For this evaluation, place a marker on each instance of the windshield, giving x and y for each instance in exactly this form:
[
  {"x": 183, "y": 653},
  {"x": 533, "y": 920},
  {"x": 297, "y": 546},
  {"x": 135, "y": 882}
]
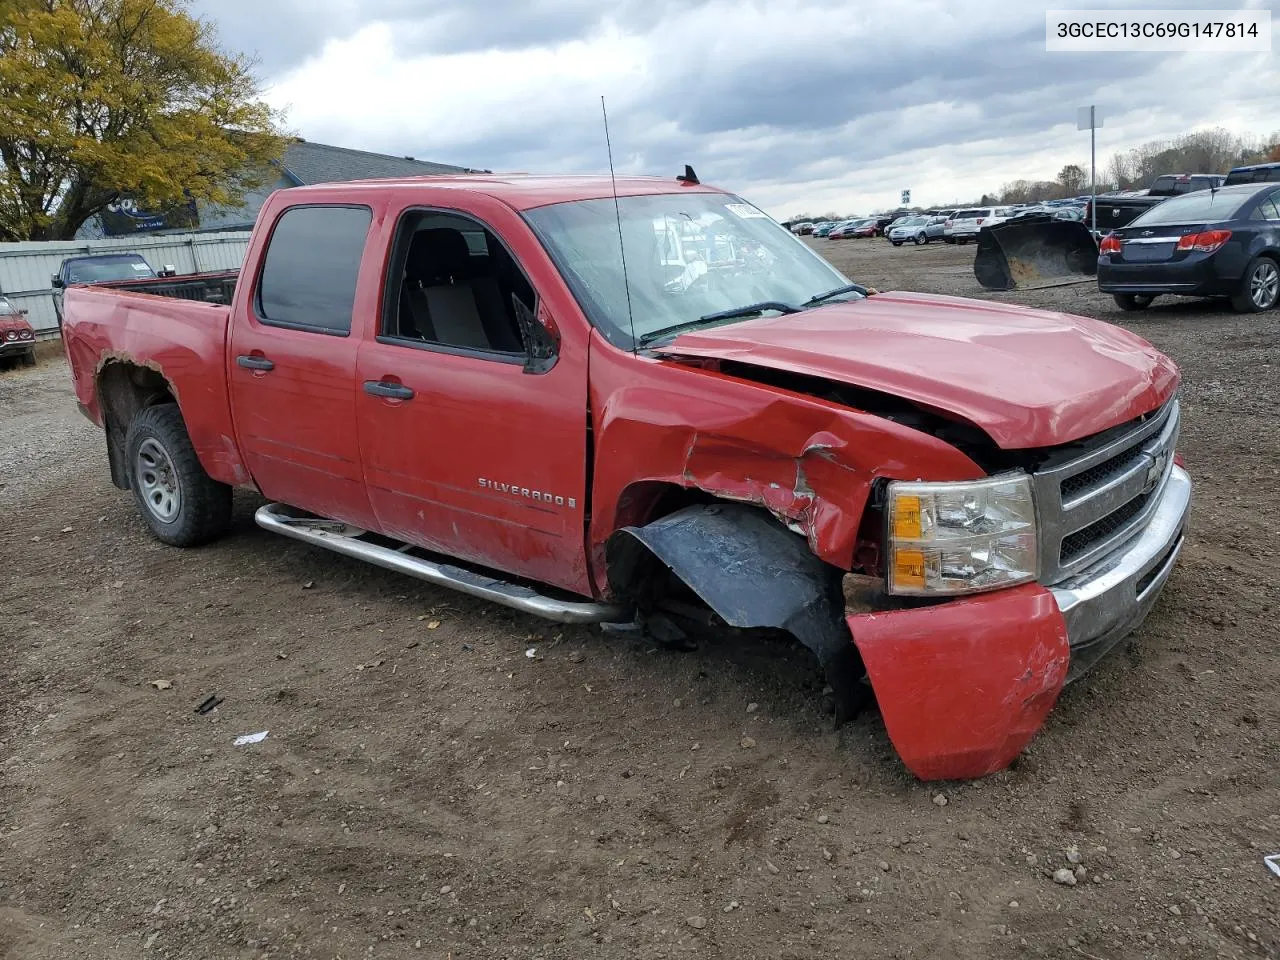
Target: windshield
[
  {"x": 7, "y": 309},
  {"x": 1198, "y": 207},
  {"x": 687, "y": 256},
  {"x": 115, "y": 268}
]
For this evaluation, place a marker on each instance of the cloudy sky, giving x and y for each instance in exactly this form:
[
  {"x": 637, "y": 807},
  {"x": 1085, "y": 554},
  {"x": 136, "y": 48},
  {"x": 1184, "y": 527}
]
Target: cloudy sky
[{"x": 800, "y": 105}]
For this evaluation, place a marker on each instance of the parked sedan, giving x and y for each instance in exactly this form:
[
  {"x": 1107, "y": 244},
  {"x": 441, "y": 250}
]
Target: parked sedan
[
  {"x": 1212, "y": 243},
  {"x": 854, "y": 228},
  {"x": 914, "y": 229},
  {"x": 17, "y": 340},
  {"x": 822, "y": 229}
]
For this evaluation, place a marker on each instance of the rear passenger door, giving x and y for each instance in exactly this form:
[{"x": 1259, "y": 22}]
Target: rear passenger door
[
  {"x": 470, "y": 449},
  {"x": 293, "y": 361}
]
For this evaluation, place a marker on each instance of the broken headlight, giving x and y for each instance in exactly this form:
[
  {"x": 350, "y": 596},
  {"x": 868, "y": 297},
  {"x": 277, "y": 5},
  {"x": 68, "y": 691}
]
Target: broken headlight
[{"x": 956, "y": 538}]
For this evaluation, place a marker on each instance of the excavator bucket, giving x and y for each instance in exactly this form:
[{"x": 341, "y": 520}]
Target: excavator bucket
[{"x": 1034, "y": 251}]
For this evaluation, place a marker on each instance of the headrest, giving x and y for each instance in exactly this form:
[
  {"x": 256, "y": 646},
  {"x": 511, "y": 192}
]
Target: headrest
[{"x": 438, "y": 255}]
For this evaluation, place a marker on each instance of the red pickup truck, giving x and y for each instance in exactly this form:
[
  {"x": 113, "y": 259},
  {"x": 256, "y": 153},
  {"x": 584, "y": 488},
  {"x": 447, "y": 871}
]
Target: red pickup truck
[{"x": 657, "y": 408}]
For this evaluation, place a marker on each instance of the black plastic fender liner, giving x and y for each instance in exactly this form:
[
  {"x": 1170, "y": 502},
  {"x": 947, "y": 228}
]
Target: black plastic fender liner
[
  {"x": 1033, "y": 250},
  {"x": 754, "y": 573}
]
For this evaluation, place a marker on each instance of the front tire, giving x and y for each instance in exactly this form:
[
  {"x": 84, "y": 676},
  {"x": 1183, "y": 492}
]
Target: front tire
[
  {"x": 1129, "y": 302},
  {"x": 181, "y": 504},
  {"x": 29, "y": 358},
  {"x": 921, "y": 238},
  {"x": 896, "y": 243},
  {"x": 1260, "y": 286}
]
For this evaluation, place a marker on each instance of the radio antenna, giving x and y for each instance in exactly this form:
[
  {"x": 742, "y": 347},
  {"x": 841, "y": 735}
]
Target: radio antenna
[{"x": 617, "y": 213}]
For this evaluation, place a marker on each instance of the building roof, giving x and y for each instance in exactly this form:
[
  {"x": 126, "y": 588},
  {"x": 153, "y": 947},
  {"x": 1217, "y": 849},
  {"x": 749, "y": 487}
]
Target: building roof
[
  {"x": 308, "y": 163},
  {"x": 523, "y": 191}
]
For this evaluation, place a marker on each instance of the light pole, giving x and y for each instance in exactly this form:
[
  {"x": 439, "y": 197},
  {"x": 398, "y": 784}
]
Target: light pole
[{"x": 1089, "y": 118}]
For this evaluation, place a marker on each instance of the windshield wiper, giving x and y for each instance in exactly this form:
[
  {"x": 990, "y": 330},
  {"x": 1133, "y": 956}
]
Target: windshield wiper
[
  {"x": 749, "y": 310},
  {"x": 847, "y": 288}
]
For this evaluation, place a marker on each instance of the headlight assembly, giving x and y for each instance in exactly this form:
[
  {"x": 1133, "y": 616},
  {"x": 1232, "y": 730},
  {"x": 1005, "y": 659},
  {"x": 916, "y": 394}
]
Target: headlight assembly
[{"x": 957, "y": 538}]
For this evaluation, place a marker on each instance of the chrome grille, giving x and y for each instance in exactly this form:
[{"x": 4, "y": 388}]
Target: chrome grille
[{"x": 1089, "y": 505}]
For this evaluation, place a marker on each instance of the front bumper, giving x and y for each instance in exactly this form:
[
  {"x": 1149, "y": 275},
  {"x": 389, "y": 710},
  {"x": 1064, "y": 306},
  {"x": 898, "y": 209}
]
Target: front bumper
[
  {"x": 9, "y": 348},
  {"x": 964, "y": 685}
]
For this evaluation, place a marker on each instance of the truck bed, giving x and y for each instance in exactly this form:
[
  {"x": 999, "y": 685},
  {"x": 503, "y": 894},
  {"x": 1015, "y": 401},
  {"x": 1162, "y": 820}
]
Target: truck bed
[
  {"x": 216, "y": 287},
  {"x": 172, "y": 328}
]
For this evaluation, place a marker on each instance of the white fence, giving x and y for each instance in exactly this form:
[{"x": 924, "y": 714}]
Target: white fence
[{"x": 26, "y": 267}]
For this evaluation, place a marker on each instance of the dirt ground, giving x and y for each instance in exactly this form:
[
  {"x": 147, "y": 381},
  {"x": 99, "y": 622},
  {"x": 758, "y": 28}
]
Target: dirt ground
[{"x": 428, "y": 789}]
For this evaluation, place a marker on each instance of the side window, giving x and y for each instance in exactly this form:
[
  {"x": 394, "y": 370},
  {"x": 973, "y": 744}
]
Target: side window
[
  {"x": 453, "y": 284},
  {"x": 309, "y": 273},
  {"x": 1268, "y": 209}
]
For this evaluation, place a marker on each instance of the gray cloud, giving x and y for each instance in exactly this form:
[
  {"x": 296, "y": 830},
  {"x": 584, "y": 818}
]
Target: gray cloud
[{"x": 933, "y": 78}]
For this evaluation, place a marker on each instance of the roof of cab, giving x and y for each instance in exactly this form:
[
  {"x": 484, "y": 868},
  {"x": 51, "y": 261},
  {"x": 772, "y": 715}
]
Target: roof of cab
[{"x": 518, "y": 191}]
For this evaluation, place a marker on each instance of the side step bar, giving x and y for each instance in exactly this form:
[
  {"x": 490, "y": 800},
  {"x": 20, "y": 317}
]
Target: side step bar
[{"x": 334, "y": 535}]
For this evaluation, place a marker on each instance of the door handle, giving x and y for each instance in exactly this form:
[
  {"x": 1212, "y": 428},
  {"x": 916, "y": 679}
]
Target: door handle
[
  {"x": 255, "y": 363},
  {"x": 391, "y": 391}
]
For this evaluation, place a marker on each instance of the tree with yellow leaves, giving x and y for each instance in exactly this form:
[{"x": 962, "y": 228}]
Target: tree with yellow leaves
[{"x": 106, "y": 99}]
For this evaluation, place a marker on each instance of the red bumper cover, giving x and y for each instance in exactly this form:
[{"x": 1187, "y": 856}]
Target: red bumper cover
[{"x": 963, "y": 686}]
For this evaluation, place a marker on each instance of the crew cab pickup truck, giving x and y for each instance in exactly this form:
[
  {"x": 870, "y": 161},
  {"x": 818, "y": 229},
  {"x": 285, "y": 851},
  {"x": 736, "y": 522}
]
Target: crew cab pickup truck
[
  {"x": 958, "y": 506},
  {"x": 1117, "y": 210}
]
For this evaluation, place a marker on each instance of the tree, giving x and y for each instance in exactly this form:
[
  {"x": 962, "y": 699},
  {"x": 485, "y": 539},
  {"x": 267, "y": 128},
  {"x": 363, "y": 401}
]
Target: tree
[
  {"x": 1072, "y": 179},
  {"x": 105, "y": 99}
]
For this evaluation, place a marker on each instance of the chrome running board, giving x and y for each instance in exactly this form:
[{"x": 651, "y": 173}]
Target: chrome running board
[{"x": 336, "y": 536}]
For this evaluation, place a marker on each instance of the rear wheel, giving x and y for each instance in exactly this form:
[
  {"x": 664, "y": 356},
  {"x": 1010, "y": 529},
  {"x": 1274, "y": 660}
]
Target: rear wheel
[
  {"x": 1260, "y": 287},
  {"x": 181, "y": 504},
  {"x": 1133, "y": 301}
]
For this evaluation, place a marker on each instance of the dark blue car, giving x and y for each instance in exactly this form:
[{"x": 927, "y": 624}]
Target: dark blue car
[{"x": 1211, "y": 243}]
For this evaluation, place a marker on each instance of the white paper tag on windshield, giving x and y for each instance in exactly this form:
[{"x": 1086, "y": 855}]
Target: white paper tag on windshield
[
  {"x": 140, "y": 267},
  {"x": 745, "y": 210}
]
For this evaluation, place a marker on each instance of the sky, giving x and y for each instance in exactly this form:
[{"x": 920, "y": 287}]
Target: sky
[{"x": 801, "y": 106}]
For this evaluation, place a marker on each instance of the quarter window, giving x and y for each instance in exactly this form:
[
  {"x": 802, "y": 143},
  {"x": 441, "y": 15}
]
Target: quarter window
[
  {"x": 1269, "y": 209},
  {"x": 309, "y": 273}
]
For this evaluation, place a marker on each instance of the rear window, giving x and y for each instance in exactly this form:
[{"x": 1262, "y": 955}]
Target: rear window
[
  {"x": 970, "y": 214},
  {"x": 1257, "y": 175},
  {"x": 309, "y": 273},
  {"x": 103, "y": 269},
  {"x": 1199, "y": 207}
]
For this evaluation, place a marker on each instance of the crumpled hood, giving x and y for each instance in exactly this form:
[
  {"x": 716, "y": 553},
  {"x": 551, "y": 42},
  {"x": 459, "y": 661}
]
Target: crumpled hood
[{"x": 1028, "y": 378}]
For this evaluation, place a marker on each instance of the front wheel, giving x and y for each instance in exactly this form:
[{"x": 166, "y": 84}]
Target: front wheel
[
  {"x": 29, "y": 358},
  {"x": 896, "y": 243},
  {"x": 1133, "y": 301},
  {"x": 921, "y": 238},
  {"x": 181, "y": 504},
  {"x": 1259, "y": 288}
]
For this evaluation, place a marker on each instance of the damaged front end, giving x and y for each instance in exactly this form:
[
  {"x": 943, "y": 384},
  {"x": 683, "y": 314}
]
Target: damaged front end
[{"x": 785, "y": 492}]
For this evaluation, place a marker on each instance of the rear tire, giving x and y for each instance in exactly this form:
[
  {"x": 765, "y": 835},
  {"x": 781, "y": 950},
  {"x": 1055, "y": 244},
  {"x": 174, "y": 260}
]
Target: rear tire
[
  {"x": 181, "y": 504},
  {"x": 1133, "y": 301},
  {"x": 1259, "y": 287}
]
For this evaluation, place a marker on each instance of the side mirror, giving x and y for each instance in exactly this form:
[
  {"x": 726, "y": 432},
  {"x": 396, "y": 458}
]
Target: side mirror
[
  {"x": 540, "y": 336},
  {"x": 168, "y": 270},
  {"x": 56, "y": 282},
  {"x": 22, "y": 312}
]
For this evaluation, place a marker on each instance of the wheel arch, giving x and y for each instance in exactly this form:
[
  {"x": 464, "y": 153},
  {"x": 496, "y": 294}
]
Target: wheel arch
[{"x": 125, "y": 387}]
